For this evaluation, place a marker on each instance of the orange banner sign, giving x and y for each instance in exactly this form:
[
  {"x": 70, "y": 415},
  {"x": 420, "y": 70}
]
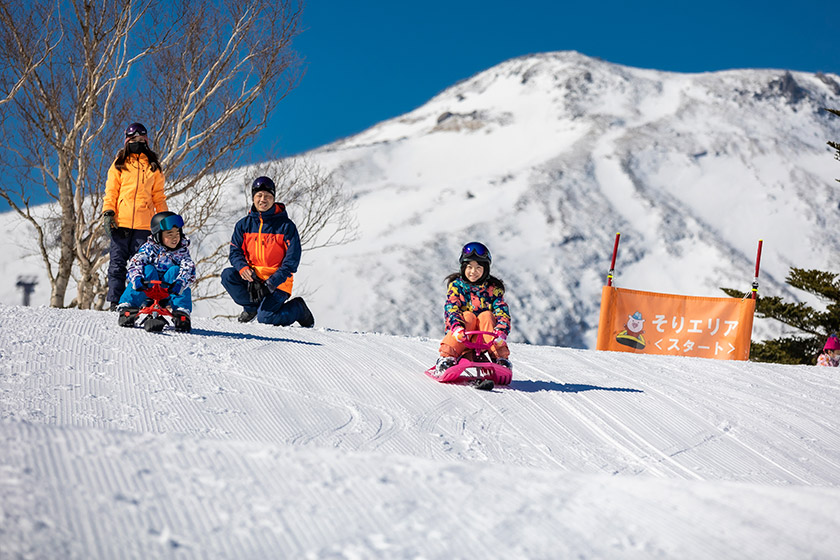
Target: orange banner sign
[{"x": 674, "y": 325}]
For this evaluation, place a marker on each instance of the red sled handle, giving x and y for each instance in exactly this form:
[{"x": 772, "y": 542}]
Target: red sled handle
[{"x": 156, "y": 291}]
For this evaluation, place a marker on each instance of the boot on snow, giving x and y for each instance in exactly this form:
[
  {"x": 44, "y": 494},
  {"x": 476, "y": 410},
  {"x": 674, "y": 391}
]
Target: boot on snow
[
  {"x": 126, "y": 315},
  {"x": 444, "y": 363},
  {"x": 181, "y": 318}
]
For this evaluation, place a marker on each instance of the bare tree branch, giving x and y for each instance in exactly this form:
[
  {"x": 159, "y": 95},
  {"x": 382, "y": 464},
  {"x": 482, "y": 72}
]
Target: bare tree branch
[
  {"x": 31, "y": 51},
  {"x": 206, "y": 77},
  {"x": 323, "y": 212}
]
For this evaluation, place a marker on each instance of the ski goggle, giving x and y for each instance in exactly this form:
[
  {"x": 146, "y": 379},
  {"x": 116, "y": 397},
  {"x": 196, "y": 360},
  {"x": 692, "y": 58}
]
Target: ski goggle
[
  {"x": 136, "y": 133},
  {"x": 475, "y": 249},
  {"x": 135, "y": 130},
  {"x": 263, "y": 184},
  {"x": 169, "y": 222}
]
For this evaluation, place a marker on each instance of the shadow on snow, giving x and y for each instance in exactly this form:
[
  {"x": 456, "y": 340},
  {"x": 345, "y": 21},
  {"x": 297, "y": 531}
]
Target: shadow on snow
[
  {"x": 531, "y": 386},
  {"x": 248, "y": 336}
]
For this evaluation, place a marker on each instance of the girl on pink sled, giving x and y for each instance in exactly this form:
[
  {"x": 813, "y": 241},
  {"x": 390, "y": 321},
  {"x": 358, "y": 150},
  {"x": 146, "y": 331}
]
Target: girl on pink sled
[{"x": 474, "y": 302}]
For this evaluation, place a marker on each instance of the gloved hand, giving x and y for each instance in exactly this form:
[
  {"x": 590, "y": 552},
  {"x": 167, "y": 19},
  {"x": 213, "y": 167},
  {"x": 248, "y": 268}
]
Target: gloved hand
[
  {"x": 176, "y": 288},
  {"x": 139, "y": 284},
  {"x": 500, "y": 339},
  {"x": 257, "y": 291},
  {"x": 108, "y": 222},
  {"x": 459, "y": 334},
  {"x": 265, "y": 290},
  {"x": 254, "y": 292}
]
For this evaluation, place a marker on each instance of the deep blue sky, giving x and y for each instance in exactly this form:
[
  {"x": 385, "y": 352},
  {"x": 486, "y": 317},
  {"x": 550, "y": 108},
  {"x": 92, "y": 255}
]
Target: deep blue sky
[
  {"x": 371, "y": 60},
  {"x": 368, "y": 61}
]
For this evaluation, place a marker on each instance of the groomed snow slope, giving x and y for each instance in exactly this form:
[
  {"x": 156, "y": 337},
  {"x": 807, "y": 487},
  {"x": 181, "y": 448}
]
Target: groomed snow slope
[{"x": 249, "y": 441}]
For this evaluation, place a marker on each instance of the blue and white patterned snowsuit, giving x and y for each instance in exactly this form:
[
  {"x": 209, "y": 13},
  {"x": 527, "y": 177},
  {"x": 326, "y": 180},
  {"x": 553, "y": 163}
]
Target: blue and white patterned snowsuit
[{"x": 156, "y": 262}]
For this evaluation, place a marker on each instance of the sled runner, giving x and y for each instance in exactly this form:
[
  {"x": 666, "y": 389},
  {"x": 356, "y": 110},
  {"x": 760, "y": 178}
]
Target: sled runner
[{"x": 475, "y": 367}]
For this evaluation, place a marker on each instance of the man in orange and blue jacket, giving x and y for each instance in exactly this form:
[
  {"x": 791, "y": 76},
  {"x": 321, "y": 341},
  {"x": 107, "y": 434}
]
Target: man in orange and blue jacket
[{"x": 265, "y": 253}]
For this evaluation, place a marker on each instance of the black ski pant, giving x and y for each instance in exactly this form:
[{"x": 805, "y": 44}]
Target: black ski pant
[{"x": 124, "y": 243}]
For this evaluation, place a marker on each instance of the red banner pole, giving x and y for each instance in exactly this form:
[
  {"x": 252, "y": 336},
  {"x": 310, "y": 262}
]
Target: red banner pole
[
  {"x": 757, "y": 264},
  {"x": 611, "y": 273}
]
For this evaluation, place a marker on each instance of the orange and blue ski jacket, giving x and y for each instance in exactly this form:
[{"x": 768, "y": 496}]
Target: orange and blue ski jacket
[
  {"x": 269, "y": 243},
  {"x": 136, "y": 194}
]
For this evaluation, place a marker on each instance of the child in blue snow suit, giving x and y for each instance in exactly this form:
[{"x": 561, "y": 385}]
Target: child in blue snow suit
[{"x": 166, "y": 257}]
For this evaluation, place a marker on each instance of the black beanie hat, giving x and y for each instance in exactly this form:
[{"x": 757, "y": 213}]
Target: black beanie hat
[{"x": 263, "y": 184}]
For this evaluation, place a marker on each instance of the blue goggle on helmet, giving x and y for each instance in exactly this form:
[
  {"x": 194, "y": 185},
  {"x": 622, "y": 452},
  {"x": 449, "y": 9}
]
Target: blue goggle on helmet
[
  {"x": 164, "y": 221},
  {"x": 475, "y": 251},
  {"x": 169, "y": 222}
]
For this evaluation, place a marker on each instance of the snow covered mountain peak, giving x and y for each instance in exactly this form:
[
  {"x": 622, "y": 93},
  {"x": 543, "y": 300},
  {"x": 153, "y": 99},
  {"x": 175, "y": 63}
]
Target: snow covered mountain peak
[
  {"x": 545, "y": 157},
  {"x": 570, "y": 86}
]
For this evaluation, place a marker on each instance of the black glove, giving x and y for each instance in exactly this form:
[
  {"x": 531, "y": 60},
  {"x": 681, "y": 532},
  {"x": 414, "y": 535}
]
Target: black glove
[
  {"x": 266, "y": 290},
  {"x": 253, "y": 292},
  {"x": 257, "y": 291},
  {"x": 108, "y": 222}
]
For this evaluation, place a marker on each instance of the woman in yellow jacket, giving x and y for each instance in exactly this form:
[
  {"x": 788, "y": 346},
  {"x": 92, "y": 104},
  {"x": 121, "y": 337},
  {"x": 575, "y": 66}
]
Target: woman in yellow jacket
[{"x": 133, "y": 194}]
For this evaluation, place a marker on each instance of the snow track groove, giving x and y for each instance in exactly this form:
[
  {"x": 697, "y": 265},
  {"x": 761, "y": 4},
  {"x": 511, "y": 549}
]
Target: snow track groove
[
  {"x": 752, "y": 462},
  {"x": 250, "y": 441}
]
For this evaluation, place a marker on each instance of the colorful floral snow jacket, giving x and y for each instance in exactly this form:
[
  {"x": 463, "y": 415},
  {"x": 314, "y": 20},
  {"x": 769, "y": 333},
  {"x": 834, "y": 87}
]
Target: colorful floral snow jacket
[
  {"x": 163, "y": 258},
  {"x": 463, "y": 296},
  {"x": 826, "y": 360},
  {"x": 269, "y": 243},
  {"x": 136, "y": 194}
]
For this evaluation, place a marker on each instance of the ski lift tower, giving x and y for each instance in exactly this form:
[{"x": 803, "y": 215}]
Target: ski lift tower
[{"x": 27, "y": 284}]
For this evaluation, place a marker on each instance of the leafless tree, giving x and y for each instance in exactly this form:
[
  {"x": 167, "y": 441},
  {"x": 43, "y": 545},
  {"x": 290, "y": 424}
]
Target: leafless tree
[
  {"x": 203, "y": 76},
  {"x": 321, "y": 208}
]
